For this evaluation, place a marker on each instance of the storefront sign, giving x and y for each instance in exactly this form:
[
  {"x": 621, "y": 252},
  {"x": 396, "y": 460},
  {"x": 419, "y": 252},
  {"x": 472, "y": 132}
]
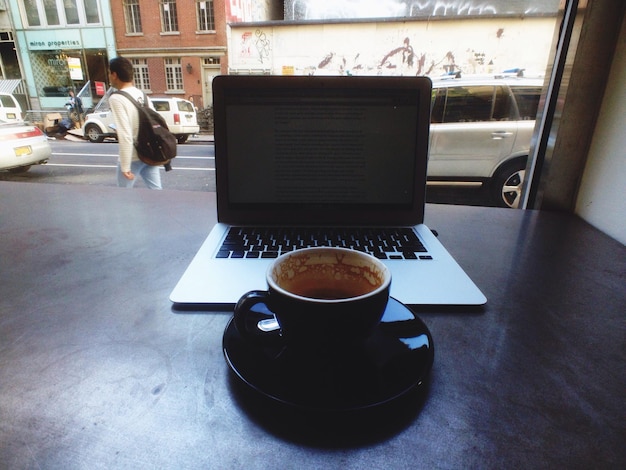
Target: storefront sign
[
  {"x": 76, "y": 71},
  {"x": 100, "y": 88}
]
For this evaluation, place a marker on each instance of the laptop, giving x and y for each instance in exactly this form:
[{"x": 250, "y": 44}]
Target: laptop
[{"x": 310, "y": 160}]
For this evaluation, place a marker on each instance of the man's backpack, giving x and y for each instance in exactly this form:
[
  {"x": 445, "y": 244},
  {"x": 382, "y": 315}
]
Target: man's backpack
[{"x": 155, "y": 144}]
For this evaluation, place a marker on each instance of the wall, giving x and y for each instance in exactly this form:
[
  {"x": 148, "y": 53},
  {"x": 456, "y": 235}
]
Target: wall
[
  {"x": 393, "y": 47},
  {"x": 601, "y": 198}
]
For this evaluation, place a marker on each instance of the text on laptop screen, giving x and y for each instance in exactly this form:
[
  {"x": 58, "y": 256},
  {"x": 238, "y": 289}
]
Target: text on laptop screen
[{"x": 329, "y": 147}]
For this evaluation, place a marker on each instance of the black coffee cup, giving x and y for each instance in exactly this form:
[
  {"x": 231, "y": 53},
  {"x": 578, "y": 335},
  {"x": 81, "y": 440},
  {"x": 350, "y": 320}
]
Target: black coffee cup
[{"x": 318, "y": 295}]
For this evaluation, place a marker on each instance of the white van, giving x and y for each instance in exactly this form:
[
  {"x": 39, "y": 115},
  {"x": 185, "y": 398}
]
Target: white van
[
  {"x": 180, "y": 116},
  {"x": 10, "y": 109}
]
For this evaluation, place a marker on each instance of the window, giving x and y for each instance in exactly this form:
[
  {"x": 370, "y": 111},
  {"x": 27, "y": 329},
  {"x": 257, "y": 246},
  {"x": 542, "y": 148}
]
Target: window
[
  {"x": 32, "y": 15},
  {"x": 43, "y": 13},
  {"x": 206, "y": 19},
  {"x": 169, "y": 18},
  {"x": 71, "y": 11},
  {"x": 527, "y": 101},
  {"x": 132, "y": 16},
  {"x": 140, "y": 74},
  {"x": 91, "y": 12},
  {"x": 52, "y": 14},
  {"x": 173, "y": 75}
]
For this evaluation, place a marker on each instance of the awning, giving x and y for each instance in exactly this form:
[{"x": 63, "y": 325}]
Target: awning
[{"x": 9, "y": 86}]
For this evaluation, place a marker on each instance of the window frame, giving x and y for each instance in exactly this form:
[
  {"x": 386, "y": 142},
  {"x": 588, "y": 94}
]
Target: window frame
[
  {"x": 205, "y": 17},
  {"x": 44, "y": 10},
  {"x": 169, "y": 17},
  {"x": 132, "y": 17},
  {"x": 173, "y": 75}
]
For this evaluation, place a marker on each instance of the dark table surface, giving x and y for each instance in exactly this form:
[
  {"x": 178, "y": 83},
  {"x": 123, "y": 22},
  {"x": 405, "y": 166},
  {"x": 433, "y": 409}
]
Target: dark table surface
[{"x": 97, "y": 370}]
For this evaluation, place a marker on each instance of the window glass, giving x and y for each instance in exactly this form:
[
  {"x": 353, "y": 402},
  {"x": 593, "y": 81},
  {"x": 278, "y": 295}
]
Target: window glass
[
  {"x": 7, "y": 101},
  {"x": 173, "y": 75},
  {"x": 91, "y": 11},
  {"x": 52, "y": 15},
  {"x": 185, "y": 106},
  {"x": 469, "y": 104},
  {"x": 527, "y": 101},
  {"x": 132, "y": 16},
  {"x": 206, "y": 20},
  {"x": 141, "y": 74},
  {"x": 169, "y": 18},
  {"x": 503, "y": 109},
  {"x": 32, "y": 15},
  {"x": 71, "y": 12}
]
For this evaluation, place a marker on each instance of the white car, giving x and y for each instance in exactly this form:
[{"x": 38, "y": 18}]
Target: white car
[
  {"x": 480, "y": 133},
  {"x": 21, "y": 146},
  {"x": 10, "y": 109},
  {"x": 180, "y": 116}
]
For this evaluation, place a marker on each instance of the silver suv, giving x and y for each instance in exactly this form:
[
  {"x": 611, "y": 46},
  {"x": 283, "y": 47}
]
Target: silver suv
[{"x": 480, "y": 133}]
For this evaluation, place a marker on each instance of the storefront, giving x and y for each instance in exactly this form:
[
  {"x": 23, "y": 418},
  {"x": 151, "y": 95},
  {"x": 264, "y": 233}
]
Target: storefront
[{"x": 63, "y": 62}]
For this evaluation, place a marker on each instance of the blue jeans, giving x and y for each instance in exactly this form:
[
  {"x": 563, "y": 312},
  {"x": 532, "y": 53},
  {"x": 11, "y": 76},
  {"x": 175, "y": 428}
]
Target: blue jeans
[{"x": 151, "y": 175}]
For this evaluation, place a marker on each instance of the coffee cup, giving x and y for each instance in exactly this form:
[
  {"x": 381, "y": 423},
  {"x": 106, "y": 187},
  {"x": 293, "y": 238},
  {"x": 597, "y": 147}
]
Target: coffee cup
[{"x": 321, "y": 295}]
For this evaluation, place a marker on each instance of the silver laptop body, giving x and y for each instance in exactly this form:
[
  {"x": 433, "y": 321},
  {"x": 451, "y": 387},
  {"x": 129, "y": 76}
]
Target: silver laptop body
[{"x": 321, "y": 154}]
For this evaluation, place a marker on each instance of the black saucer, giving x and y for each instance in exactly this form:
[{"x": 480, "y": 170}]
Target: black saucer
[{"x": 394, "y": 360}]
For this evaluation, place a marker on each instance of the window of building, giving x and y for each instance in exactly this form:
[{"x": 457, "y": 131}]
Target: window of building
[
  {"x": 132, "y": 16},
  {"x": 45, "y": 13},
  {"x": 71, "y": 11},
  {"x": 173, "y": 75},
  {"x": 206, "y": 19},
  {"x": 169, "y": 18},
  {"x": 91, "y": 12},
  {"x": 141, "y": 75},
  {"x": 52, "y": 13},
  {"x": 32, "y": 15}
]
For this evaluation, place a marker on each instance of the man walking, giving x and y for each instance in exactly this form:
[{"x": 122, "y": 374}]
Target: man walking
[{"x": 126, "y": 119}]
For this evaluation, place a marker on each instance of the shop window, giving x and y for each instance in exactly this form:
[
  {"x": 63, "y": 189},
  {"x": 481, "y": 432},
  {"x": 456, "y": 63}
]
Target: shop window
[
  {"x": 206, "y": 19},
  {"x": 169, "y": 18},
  {"x": 132, "y": 16}
]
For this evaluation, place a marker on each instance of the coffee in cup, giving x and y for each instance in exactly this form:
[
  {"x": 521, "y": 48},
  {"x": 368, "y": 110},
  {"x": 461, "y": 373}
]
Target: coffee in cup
[{"x": 318, "y": 296}]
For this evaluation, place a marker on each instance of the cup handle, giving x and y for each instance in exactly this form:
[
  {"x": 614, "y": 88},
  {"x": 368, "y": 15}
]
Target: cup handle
[{"x": 254, "y": 325}]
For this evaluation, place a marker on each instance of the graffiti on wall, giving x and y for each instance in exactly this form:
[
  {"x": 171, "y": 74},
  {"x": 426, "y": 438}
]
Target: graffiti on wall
[
  {"x": 357, "y": 9},
  {"x": 402, "y": 60},
  {"x": 255, "y": 46}
]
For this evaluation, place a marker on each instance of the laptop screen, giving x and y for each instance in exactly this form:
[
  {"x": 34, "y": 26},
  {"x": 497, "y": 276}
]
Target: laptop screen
[{"x": 321, "y": 150}]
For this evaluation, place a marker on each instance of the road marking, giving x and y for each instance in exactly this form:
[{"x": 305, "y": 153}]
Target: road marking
[
  {"x": 115, "y": 166},
  {"x": 178, "y": 157}
]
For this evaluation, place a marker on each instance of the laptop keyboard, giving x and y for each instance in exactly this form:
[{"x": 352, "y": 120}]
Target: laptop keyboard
[{"x": 271, "y": 242}]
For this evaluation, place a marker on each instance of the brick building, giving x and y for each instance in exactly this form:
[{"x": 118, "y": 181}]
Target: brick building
[{"x": 177, "y": 46}]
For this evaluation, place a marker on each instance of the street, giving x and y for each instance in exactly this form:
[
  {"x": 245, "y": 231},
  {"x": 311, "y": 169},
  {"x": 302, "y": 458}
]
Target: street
[{"x": 75, "y": 161}]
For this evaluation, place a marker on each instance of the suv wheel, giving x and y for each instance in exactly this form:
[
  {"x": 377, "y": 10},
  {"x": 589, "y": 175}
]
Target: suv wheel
[
  {"x": 507, "y": 184},
  {"x": 92, "y": 133},
  {"x": 182, "y": 138}
]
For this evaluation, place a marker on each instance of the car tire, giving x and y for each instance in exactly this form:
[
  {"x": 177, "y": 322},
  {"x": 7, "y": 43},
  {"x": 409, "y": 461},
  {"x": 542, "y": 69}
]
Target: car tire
[
  {"x": 92, "y": 133},
  {"x": 182, "y": 138},
  {"x": 506, "y": 185}
]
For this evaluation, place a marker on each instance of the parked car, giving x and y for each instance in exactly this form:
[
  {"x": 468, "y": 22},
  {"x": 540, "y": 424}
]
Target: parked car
[
  {"x": 480, "y": 133},
  {"x": 21, "y": 146},
  {"x": 180, "y": 116},
  {"x": 10, "y": 109}
]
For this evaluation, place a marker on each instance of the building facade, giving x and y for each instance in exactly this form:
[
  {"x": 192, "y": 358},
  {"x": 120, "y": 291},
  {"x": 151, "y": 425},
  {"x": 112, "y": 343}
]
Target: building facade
[
  {"x": 176, "y": 46},
  {"x": 62, "y": 45}
]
